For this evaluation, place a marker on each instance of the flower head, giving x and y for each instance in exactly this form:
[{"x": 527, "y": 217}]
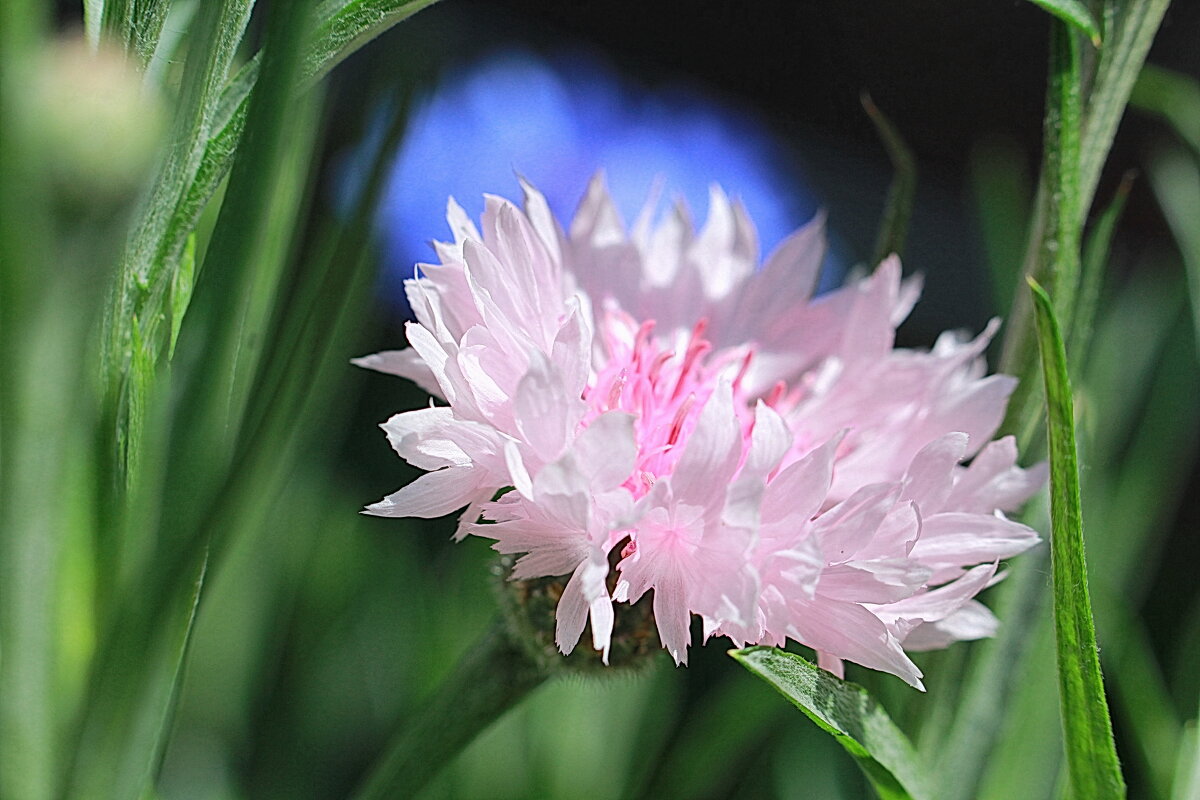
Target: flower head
[{"x": 674, "y": 419}]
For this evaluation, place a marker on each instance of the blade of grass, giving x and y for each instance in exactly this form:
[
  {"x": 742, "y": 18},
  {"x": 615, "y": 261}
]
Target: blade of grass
[
  {"x": 136, "y": 24},
  {"x": 1074, "y": 13},
  {"x": 1095, "y": 258},
  {"x": 1128, "y": 30},
  {"x": 121, "y": 742},
  {"x": 1173, "y": 96},
  {"x": 157, "y": 247},
  {"x": 1091, "y": 753},
  {"x": 1059, "y": 228},
  {"x": 893, "y": 228},
  {"x": 344, "y": 26},
  {"x": 1186, "y": 783},
  {"x": 93, "y": 20},
  {"x": 1175, "y": 177},
  {"x": 139, "y": 660},
  {"x": 1003, "y": 195},
  {"x": 143, "y": 283},
  {"x": 848, "y": 713}
]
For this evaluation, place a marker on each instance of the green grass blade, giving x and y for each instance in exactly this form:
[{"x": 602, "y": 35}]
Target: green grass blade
[
  {"x": 1003, "y": 193},
  {"x": 1128, "y": 30},
  {"x": 893, "y": 228},
  {"x": 1075, "y": 14},
  {"x": 1091, "y": 753},
  {"x": 1186, "y": 783},
  {"x": 93, "y": 18},
  {"x": 1058, "y": 225},
  {"x": 181, "y": 290},
  {"x": 346, "y": 25},
  {"x": 1175, "y": 177},
  {"x": 1095, "y": 259},
  {"x": 848, "y": 713},
  {"x": 157, "y": 247},
  {"x": 133, "y": 691},
  {"x": 1061, "y": 244},
  {"x": 136, "y": 24},
  {"x": 1173, "y": 96},
  {"x": 145, "y": 278}
]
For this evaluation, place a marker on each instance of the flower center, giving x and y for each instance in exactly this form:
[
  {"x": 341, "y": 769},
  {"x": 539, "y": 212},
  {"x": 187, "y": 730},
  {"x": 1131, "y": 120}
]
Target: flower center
[{"x": 664, "y": 384}]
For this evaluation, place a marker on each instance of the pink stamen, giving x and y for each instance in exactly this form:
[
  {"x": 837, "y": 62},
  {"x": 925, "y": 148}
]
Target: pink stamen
[
  {"x": 618, "y": 386},
  {"x": 695, "y": 350},
  {"x": 680, "y": 415},
  {"x": 629, "y": 549},
  {"x": 775, "y": 395},
  {"x": 743, "y": 369},
  {"x": 656, "y": 367}
]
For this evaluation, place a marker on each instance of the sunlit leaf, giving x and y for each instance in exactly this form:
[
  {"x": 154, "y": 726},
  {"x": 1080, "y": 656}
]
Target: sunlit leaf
[{"x": 848, "y": 713}]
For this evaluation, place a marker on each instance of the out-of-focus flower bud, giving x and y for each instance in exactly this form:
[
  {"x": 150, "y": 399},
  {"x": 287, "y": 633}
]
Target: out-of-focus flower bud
[{"x": 90, "y": 122}]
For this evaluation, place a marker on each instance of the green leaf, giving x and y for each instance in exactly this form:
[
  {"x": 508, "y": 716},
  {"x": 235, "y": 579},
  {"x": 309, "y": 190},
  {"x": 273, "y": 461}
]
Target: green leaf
[
  {"x": 893, "y": 228},
  {"x": 1173, "y": 96},
  {"x": 135, "y": 23},
  {"x": 134, "y": 684},
  {"x": 204, "y": 155},
  {"x": 93, "y": 15},
  {"x": 1129, "y": 32},
  {"x": 1075, "y": 14},
  {"x": 181, "y": 290},
  {"x": 145, "y": 277},
  {"x": 1091, "y": 753},
  {"x": 1175, "y": 177},
  {"x": 1129, "y": 29},
  {"x": 849, "y": 714},
  {"x": 1095, "y": 259},
  {"x": 1186, "y": 783},
  {"x": 1003, "y": 193},
  {"x": 344, "y": 26},
  {"x": 1057, "y": 258}
]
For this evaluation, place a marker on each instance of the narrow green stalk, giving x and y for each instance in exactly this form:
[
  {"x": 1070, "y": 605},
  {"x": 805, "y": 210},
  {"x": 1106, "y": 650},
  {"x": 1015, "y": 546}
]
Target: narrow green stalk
[
  {"x": 1092, "y": 762},
  {"x": 1128, "y": 31},
  {"x": 893, "y": 228},
  {"x": 1094, "y": 261},
  {"x": 144, "y": 280},
  {"x": 1058, "y": 228},
  {"x": 494, "y": 676}
]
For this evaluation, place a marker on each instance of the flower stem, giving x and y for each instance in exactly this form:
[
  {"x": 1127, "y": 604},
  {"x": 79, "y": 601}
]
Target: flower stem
[{"x": 490, "y": 679}]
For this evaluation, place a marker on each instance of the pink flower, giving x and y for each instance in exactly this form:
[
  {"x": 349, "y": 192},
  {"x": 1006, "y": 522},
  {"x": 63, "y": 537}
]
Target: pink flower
[{"x": 763, "y": 459}]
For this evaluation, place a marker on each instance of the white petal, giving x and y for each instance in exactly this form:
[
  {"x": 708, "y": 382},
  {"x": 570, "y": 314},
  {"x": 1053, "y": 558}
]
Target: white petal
[{"x": 431, "y": 495}]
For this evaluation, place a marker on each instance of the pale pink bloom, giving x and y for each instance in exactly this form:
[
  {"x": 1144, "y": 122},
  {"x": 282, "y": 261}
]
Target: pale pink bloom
[{"x": 755, "y": 456}]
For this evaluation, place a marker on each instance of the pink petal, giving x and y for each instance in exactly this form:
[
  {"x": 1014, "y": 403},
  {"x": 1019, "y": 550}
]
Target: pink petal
[{"x": 431, "y": 495}]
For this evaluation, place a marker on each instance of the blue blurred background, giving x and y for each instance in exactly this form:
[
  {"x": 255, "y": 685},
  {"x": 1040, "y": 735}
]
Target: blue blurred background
[{"x": 556, "y": 121}]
